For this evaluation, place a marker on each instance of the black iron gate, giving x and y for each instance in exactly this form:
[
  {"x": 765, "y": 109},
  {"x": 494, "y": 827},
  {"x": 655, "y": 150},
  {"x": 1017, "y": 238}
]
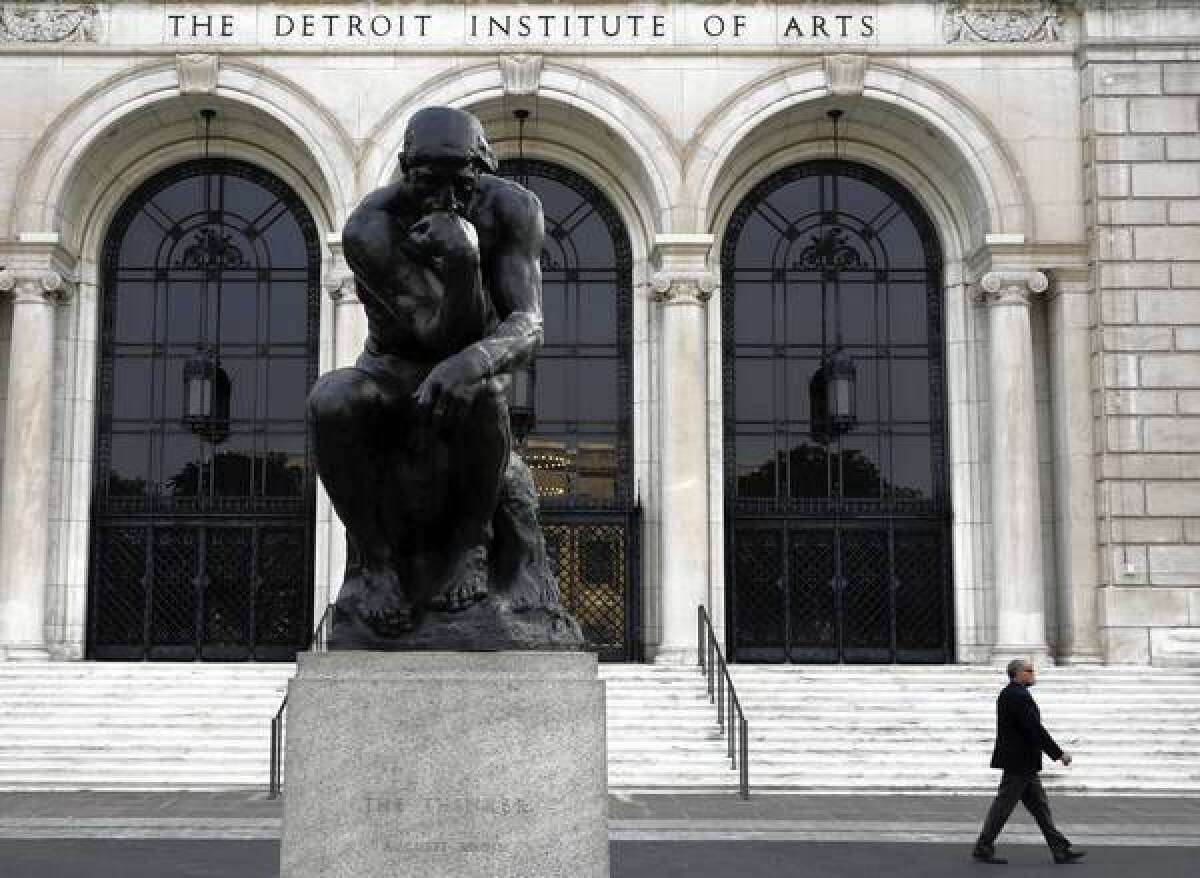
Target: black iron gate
[
  {"x": 203, "y": 497},
  {"x": 597, "y": 558},
  {"x": 837, "y": 500},
  {"x": 825, "y": 592}
]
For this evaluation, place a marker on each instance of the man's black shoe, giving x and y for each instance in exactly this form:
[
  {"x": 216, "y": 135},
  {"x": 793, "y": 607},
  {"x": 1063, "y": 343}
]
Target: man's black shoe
[
  {"x": 1068, "y": 856},
  {"x": 988, "y": 857}
]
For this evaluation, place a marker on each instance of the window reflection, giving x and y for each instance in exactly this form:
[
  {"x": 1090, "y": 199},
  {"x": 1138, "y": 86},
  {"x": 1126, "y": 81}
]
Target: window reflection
[
  {"x": 578, "y": 448},
  {"x": 173, "y": 300},
  {"x": 800, "y": 251},
  {"x": 568, "y": 467}
]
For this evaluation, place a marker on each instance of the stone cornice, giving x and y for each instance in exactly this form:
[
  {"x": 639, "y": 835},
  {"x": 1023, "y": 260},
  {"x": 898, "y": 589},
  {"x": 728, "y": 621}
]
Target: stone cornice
[
  {"x": 1012, "y": 287},
  {"x": 1014, "y": 253}
]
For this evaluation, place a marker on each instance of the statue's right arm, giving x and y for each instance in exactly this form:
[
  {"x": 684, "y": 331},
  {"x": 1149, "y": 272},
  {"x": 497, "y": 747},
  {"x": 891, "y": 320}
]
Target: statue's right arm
[{"x": 368, "y": 240}]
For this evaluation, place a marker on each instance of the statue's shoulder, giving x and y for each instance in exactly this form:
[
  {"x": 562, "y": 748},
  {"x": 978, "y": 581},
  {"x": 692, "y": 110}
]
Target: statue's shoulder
[{"x": 509, "y": 203}]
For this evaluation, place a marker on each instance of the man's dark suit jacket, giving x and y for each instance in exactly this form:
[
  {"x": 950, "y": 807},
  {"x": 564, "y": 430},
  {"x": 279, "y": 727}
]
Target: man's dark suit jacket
[{"x": 1020, "y": 737}]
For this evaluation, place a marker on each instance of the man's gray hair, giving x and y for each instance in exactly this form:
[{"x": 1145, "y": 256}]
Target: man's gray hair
[{"x": 1015, "y": 667}]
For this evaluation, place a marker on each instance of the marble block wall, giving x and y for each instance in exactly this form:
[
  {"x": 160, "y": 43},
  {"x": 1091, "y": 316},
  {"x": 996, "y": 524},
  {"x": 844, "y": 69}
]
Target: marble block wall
[{"x": 1140, "y": 81}]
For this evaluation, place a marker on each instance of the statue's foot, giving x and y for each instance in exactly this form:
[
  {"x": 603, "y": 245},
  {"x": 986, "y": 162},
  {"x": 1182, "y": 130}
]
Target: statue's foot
[
  {"x": 382, "y": 604},
  {"x": 467, "y": 584},
  {"x": 384, "y": 607}
]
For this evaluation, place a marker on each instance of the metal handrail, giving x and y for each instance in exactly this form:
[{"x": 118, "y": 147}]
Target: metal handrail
[
  {"x": 721, "y": 692},
  {"x": 318, "y": 642}
]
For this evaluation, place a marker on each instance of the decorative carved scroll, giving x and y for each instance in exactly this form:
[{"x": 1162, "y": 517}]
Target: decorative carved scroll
[
  {"x": 39, "y": 23},
  {"x": 1003, "y": 24}
]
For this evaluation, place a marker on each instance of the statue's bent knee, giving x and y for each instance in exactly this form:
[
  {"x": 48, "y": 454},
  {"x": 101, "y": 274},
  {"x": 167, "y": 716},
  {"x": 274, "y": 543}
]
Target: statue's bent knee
[{"x": 337, "y": 397}]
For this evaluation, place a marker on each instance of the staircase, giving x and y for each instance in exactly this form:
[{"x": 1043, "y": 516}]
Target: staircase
[
  {"x": 83, "y": 725},
  {"x": 931, "y": 729}
]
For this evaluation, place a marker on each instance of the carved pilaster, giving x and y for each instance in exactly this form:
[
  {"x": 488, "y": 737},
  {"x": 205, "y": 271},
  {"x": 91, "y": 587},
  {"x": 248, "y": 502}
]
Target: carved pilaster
[{"x": 1011, "y": 287}]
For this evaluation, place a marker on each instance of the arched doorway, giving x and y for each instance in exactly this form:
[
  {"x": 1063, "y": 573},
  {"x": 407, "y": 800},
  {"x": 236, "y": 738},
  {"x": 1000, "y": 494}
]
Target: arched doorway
[
  {"x": 203, "y": 496},
  {"x": 580, "y": 448},
  {"x": 837, "y": 503}
]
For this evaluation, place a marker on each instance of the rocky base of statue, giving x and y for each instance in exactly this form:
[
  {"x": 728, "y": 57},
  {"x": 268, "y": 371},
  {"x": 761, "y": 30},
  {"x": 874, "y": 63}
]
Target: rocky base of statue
[
  {"x": 506, "y": 597},
  {"x": 445, "y": 765},
  {"x": 489, "y": 625}
]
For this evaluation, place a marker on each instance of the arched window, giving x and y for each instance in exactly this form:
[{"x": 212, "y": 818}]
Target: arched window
[
  {"x": 835, "y": 421},
  {"x": 204, "y": 486},
  {"x": 580, "y": 448}
]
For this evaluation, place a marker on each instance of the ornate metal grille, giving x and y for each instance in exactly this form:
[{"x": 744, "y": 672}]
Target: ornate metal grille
[
  {"x": 580, "y": 449},
  {"x": 202, "y": 532},
  {"x": 821, "y": 259}
]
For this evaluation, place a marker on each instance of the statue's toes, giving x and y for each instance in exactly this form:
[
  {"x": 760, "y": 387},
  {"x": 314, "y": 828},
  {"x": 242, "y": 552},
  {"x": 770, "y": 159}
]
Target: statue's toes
[
  {"x": 389, "y": 621},
  {"x": 460, "y": 597}
]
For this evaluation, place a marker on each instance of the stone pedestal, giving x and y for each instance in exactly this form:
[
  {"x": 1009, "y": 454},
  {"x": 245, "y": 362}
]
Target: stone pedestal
[{"x": 445, "y": 765}]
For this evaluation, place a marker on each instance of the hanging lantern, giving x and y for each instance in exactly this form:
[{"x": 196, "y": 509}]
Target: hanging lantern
[
  {"x": 206, "y": 393},
  {"x": 521, "y": 389},
  {"x": 840, "y": 395},
  {"x": 831, "y": 396}
]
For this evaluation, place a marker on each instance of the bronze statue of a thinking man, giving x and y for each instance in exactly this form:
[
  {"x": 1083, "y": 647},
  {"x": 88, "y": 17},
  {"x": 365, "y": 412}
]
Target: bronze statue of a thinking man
[{"x": 413, "y": 442}]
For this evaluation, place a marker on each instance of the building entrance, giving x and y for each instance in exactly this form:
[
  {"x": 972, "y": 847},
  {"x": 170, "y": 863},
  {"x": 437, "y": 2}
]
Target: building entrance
[
  {"x": 837, "y": 519},
  {"x": 203, "y": 497},
  {"x": 580, "y": 445}
]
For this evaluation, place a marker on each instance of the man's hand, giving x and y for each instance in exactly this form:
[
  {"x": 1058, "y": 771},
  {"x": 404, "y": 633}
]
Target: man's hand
[
  {"x": 445, "y": 235},
  {"x": 1065, "y": 759},
  {"x": 450, "y": 387}
]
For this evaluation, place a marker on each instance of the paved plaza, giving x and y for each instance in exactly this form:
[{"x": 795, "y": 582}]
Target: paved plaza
[{"x": 235, "y": 835}]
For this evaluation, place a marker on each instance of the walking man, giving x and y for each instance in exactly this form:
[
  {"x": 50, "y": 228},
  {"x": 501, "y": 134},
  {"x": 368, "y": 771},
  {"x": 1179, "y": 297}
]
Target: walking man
[{"x": 1020, "y": 741}]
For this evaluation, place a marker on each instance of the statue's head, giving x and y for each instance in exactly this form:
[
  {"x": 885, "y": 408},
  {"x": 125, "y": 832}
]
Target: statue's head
[{"x": 445, "y": 151}]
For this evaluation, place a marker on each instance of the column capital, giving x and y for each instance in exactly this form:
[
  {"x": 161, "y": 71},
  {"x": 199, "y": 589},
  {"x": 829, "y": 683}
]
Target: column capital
[
  {"x": 38, "y": 287},
  {"x": 684, "y": 289},
  {"x": 683, "y": 276},
  {"x": 1011, "y": 287},
  {"x": 343, "y": 290}
]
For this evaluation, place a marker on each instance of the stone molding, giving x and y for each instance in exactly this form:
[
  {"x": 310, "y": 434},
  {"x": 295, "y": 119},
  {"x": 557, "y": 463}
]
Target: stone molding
[
  {"x": 197, "y": 74},
  {"x": 521, "y": 75},
  {"x": 47, "y": 287},
  {"x": 1012, "y": 287},
  {"x": 969, "y": 23},
  {"x": 38, "y": 23},
  {"x": 846, "y": 74}
]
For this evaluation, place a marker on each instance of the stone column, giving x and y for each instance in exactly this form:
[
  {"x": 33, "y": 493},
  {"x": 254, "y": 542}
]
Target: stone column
[
  {"x": 682, "y": 288},
  {"x": 1016, "y": 495},
  {"x": 25, "y": 477},
  {"x": 1074, "y": 474},
  {"x": 348, "y": 335}
]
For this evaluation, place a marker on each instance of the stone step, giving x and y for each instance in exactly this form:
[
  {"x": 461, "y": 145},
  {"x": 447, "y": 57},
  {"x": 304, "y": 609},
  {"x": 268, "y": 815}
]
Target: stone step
[{"x": 156, "y": 726}]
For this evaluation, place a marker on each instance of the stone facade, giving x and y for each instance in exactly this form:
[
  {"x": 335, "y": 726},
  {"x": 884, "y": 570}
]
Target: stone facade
[
  {"x": 1053, "y": 144},
  {"x": 1139, "y": 79}
]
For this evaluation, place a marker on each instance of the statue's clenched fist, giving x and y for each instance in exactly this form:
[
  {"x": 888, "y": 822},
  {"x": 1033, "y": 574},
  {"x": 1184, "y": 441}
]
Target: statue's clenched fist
[{"x": 445, "y": 235}]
